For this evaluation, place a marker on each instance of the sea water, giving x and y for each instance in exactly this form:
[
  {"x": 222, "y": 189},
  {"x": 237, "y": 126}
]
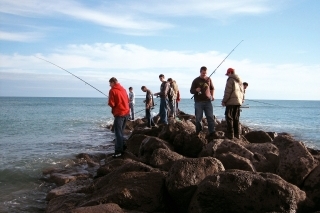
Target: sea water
[{"x": 39, "y": 133}]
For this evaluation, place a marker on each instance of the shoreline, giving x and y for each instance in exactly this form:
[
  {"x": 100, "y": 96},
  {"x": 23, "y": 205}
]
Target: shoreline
[{"x": 182, "y": 166}]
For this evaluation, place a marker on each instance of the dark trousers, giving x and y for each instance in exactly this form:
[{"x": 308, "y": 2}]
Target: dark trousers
[
  {"x": 149, "y": 118},
  {"x": 119, "y": 125},
  {"x": 232, "y": 117}
]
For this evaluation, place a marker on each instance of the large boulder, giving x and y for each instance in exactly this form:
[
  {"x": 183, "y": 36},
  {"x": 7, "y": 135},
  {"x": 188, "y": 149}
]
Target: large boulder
[
  {"x": 164, "y": 158},
  {"x": 141, "y": 191},
  {"x": 134, "y": 142},
  {"x": 149, "y": 145},
  {"x": 266, "y": 156},
  {"x": 186, "y": 174},
  {"x": 258, "y": 137},
  {"x": 295, "y": 161},
  {"x": 146, "y": 131},
  {"x": 225, "y": 146},
  {"x": 311, "y": 186},
  {"x": 234, "y": 161},
  {"x": 243, "y": 191},
  {"x": 189, "y": 144}
]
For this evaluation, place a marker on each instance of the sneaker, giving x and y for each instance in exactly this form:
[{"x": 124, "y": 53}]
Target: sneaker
[
  {"x": 117, "y": 155},
  {"x": 147, "y": 127}
]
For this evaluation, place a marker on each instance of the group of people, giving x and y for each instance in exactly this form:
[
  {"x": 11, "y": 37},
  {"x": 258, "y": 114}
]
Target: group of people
[{"x": 202, "y": 88}]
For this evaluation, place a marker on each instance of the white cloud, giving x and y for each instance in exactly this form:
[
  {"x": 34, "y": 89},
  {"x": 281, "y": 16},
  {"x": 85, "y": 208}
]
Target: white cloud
[
  {"x": 20, "y": 37},
  {"x": 136, "y": 65}
]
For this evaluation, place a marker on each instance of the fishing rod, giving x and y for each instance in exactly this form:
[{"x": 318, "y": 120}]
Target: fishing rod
[
  {"x": 223, "y": 60},
  {"x": 72, "y": 74}
]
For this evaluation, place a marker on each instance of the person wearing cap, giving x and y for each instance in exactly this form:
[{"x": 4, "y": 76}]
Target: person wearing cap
[
  {"x": 119, "y": 103},
  {"x": 232, "y": 100},
  {"x": 203, "y": 91}
]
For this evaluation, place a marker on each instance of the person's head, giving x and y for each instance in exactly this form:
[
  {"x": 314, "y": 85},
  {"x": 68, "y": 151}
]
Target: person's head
[
  {"x": 144, "y": 88},
  {"x": 130, "y": 89},
  {"x": 230, "y": 71},
  {"x": 113, "y": 81},
  {"x": 245, "y": 85},
  {"x": 203, "y": 71},
  {"x": 161, "y": 77},
  {"x": 170, "y": 80}
]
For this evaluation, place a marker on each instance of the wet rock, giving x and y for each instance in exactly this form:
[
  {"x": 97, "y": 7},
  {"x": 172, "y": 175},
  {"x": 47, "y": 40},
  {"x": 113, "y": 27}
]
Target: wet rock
[
  {"x": 164, "y": 158},
  {"x": 91, "y": 160},
  {"x": 234, "y": 161},
  {"x": 311, "y": 186},
  {"x": 112, "y": 165},
  {"x": 78, "y": 186},
  {"x": 258, "y": 137},
  {"x": 64, "y": 203},
  {"x": 63, "y": 176},
  {"x": 186, "y": 174},
  {"x": 149, "y": 145},
  {"x": 295, "y": 161},
  {"x": 243, "y": 191},
  {"x": 103, "y": 208}
]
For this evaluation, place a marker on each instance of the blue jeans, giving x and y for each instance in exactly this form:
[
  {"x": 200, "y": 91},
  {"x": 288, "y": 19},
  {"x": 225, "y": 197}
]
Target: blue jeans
[
  {"x": 206, "y": 107},
  {"x": 119, "y": 125},
  {"x": 172, "y": 105},
  {"x": 150, "y": 122},
  {"x": 163, "y": 111},
  {"x": 131, "y": 105}
]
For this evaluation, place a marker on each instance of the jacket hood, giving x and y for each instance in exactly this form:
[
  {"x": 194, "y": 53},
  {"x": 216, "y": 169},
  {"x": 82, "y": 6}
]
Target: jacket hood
[
  {"x": 235, "y": 77},
  {"x": 117, "y": 86}
]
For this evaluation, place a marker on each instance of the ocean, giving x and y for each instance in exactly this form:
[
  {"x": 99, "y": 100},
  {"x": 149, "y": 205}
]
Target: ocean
[{"x": 40, "y": 133}]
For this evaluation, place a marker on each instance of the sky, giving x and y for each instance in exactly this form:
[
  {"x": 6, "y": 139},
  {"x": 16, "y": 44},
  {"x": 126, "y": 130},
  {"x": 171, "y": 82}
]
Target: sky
[{"x": 135, "y": 41}]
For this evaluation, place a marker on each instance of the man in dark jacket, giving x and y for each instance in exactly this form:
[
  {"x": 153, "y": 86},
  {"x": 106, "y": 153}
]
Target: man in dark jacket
[
  {"x": 119, "y": 103},
  {"x": 203, "y": 91}
]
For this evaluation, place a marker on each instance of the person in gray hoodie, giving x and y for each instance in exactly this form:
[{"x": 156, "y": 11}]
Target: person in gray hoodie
[{"x": 232, "y": 100}]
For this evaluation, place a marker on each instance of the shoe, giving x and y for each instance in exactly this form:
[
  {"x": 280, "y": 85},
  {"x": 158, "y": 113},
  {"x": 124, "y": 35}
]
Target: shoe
[
  {"x": 117, "y": 155},
  {"x": 147, "y": 127}
]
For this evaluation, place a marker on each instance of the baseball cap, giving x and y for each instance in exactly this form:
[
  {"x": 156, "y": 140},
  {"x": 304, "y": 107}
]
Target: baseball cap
[{"x": 230, "y": 70}]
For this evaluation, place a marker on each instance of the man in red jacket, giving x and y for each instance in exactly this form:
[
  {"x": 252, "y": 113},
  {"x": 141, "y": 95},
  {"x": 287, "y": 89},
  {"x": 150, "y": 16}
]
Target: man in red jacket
[{"x": 119, "y": 103}]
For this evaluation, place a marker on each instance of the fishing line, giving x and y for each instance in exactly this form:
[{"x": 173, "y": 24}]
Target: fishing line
[
  {"x": 223, "y": 60},
  {"x": 72, "y": 74},
  {"x": 264, "y": 103}
]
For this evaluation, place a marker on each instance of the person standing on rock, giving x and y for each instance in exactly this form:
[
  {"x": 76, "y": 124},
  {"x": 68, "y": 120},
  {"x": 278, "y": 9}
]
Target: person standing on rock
[
  {"x": 232, "y": 100},
  {"x": 119, "y": 103},
  {"x": 164, "y": 88},
  {"x": 203, "y": 91},
  {"x": 149, "y": 106},
  {"x": 173, "y": 101},
  {"x": 131, "y": 103}
]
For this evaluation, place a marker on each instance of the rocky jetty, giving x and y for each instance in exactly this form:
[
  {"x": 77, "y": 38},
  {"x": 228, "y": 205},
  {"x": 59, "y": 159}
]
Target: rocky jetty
[{"x": 171, "y": 169}]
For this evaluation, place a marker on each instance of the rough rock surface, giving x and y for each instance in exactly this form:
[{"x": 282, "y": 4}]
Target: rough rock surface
[
  {"x": 258, "y": 137},
  {"x": 242, "y": 191},
  {"x": 185, "y": 174},
  {"x": 295, "y": 162}
]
